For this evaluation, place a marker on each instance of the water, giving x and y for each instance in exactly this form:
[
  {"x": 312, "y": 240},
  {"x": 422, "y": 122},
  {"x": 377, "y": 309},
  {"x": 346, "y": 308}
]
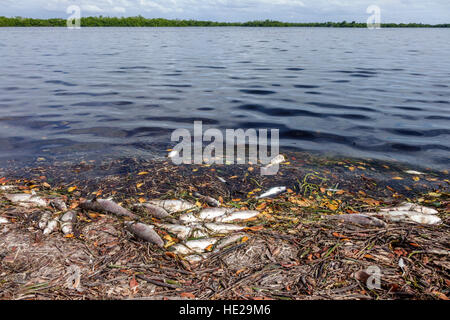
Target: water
[{"x": 97, "y": 92}]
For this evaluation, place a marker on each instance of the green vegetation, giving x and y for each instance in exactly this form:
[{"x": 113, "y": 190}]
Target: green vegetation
[{"x": 140, "y": 21}]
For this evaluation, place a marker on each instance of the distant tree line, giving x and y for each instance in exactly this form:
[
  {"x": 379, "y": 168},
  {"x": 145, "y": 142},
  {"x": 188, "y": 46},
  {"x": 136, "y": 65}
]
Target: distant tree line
[{"x": 140, "y": 21}]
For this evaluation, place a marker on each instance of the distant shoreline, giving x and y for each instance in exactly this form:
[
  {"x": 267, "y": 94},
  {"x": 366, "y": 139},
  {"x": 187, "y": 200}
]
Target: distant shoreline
[{"x": 140, "y": 21}]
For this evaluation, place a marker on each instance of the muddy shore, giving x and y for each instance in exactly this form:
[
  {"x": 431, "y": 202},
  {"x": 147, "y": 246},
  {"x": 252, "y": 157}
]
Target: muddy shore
[{"x": 292, "y": 249}]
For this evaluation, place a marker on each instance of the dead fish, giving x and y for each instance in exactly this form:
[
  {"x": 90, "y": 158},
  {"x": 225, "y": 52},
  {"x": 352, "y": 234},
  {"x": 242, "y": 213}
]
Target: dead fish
[
  {"x": 107, "y": 206},
  {"x": 200, "y": 245},
  {"x": 272, "y": 192},
  {"x": 181, "y": 249},
  {"x": 199, "y": 233},
  {"x": 398, "y": 215},
  {"x": 153, "y": 210},
  {"x": 229, "y": 240},
  {"x": 144, "y": 232},
  {"x": 25, "y": 198},
  {"x": 67, "y": 220},
  {"x": 408, "y": 206},
  {"x": 425, "y": 218},
  {"x": 414, "y": 172},
  {"x": 172, "y": 153},
  {"x": 5, "y": 188},
  {"x": 181, "y": 231},
  {"x": 238, "y": 215},
  {"x": 222, "y": 179},
  {"x": 212, "y": 213},
  {"x": 172, "y": 206},
  {"x": 276, "y": 160},
  {"x": 58, "y": 204},
  {"x": 209, "y": 200},
  {"x": 361, "y": 219},
  {"x": 188, "y": 218},
  {"x": 195, "y": 258},
  {"x": 223, "y": 228},
  {"x": 43, "y": 221},
  {"x": 3, "y": 220},
  {"x": 52, "y": 225}
]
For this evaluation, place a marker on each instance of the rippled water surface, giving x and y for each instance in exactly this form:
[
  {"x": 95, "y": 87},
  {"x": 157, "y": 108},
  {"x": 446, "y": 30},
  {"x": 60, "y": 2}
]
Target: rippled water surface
[{"x": 122, "y": 91}]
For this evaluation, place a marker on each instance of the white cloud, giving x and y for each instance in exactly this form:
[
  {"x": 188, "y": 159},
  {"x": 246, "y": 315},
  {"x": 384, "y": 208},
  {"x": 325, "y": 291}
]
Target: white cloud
[{"x": 91, "y": 8}]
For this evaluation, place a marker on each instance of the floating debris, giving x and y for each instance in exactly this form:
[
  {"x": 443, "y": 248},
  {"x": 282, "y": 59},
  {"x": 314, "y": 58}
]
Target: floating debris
[
  {"x": 173, "y": 206},
  {"x": 272, "y": 192},
  {"x": 144, "y": 232},
  {"x": 209, "y": 200},
  {"x": 106, "y": 206},
  {"x": 361, "y": 219},
  {"x": 153, "y": 210},
  {"x": 238, "y": 215}
]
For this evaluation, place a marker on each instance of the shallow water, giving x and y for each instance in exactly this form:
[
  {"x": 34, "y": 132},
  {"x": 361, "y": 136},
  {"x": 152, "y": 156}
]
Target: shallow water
[{"x": 121, "y": 91}]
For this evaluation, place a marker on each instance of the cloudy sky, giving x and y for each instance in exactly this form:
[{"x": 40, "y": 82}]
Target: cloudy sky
[{"x": 425, "y": 11}]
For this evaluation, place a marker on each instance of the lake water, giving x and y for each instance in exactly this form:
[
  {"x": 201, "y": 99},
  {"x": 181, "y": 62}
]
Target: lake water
[{"x": 100, "y": 92}]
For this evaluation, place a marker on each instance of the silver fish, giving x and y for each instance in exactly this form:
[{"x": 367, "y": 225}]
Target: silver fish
[
  {"x": 52, "y": 225},
  {"x": 67, "y": 221},
  {"x": 212, "y": 213},
  {"x": 238, "y": 215},
  {"x": 272, "y": 192},
  {"x": 144, "y": 232},
  {"x": 153, "y": 210},
  {"x": 181, "y": 231},
  {"x": 223, "y": 228},
  {"x": 107, "y": 206},
  {"x": 43, "y": 221},
  {"x": 181, "y": 249},
  {"x": 3, "y": 220},
  {"x": 229, "y": 240},
  {"x": 188, "y": 218},
  {"x": 172, "y": 206},
  {"x": 209, "y": 200},
  {"x": 200, "y": 245},
  {"x": 25, "y": 198}
]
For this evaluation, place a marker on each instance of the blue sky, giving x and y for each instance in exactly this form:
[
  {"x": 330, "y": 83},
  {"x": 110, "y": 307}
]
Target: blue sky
[{"x": 425, "y": 11}]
